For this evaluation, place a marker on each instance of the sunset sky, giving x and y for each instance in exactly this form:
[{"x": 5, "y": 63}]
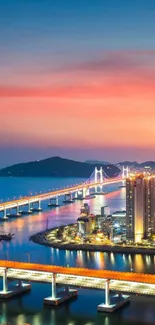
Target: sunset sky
[{"x": 77, "y": 79}]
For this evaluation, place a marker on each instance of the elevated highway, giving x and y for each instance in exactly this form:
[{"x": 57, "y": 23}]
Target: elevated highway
[{"x": 79, "y": 277}]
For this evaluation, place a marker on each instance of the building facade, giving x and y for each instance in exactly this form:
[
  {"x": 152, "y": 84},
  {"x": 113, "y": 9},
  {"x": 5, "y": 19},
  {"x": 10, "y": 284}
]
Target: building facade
[
  {"x": 140, "y": 207},
  {"x": 86, "y": 225},
  {"x": 119, "y": 218}
]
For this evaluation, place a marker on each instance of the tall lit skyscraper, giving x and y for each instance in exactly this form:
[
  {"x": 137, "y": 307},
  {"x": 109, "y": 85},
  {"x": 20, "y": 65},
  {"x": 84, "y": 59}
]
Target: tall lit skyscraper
[{"x": 140, "y": 207}]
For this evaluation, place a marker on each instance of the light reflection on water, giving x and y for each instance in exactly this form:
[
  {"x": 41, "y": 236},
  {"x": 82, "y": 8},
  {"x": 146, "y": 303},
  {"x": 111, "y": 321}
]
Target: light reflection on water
[
  {"x": 23, "y": 227},
  {"x": 29, "y": 308}
]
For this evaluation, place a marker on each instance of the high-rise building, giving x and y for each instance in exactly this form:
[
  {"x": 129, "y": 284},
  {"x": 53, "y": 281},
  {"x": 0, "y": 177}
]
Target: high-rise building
[
  {"x": 86, "y": 225},
  {"x": 140, "y": 207}
]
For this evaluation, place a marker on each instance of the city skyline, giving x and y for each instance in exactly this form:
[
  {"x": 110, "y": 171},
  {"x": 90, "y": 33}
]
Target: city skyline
[{"x": 77, "y": 80}]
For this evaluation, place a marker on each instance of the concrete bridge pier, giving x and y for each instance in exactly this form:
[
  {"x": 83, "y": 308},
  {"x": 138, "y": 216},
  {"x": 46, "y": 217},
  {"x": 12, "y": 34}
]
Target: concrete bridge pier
[
  {"x": 112, "y": 302},
  {"x": 28, "y": 210},
  {"x": 15, "y": 290},
  {"x": 84, "y": 192},
  {"x": 39, "y": 205},
  {"x": 29, "y": 207},
  {"x": 75, "y": 196},
  {"x": 68, "y": 198},
  {"x": 62, "y": 296},
  {"x": 53, "y": 202},
  {"x": 78, "y": 195},
  {"x": 107, "y": 293},
  {"x": 18, "y": 210},
  {"x": 14, "y": 212},
  {"x": 5, "y": 217},
  {"x": 5, "y": 282},
  {"x": 36, "y": 209}
]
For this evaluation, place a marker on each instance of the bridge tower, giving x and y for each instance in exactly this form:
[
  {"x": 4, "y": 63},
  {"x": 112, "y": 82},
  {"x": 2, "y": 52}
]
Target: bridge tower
[
  {"x": 98, "y": 177},
  {"x": 125, "y": 172}
]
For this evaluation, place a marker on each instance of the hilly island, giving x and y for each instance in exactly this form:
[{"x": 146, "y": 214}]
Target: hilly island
[{"x": 56, "y": 167}]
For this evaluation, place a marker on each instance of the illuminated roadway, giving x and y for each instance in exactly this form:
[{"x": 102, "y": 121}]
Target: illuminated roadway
[
  {"x": 55, "y": 193},
  {"x": 138, "y": 283}
]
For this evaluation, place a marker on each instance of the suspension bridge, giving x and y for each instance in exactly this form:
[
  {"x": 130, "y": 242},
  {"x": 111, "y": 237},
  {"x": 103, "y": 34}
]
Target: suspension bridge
[{"x": 96, "y": 181}]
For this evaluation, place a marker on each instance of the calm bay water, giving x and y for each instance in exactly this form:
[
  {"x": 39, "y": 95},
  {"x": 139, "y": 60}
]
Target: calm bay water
[{"x": 29, "y": 308}]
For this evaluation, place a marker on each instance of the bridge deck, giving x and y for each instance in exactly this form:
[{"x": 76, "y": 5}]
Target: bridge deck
[
  {"x": 101, "y": 274},
  {"x": 76, "y": 280},
  {"x": 54, "y": 193}
]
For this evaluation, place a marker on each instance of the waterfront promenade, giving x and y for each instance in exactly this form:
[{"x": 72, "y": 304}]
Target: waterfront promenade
[{"x": 40, "y": 238}]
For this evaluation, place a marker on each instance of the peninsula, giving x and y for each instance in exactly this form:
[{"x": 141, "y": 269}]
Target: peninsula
[
  {"x": 48, "y": 238},
  {"x": 104, "y": 233}
]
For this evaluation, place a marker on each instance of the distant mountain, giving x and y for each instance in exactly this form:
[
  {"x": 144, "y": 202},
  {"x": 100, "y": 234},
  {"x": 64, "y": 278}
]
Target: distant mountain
[
  {"x": 55, "y": 167},
  {"x": 148, "y": 163},
  {"x": 97, "y": 162},
  {"x": 128, "y": 163},
  {"x": 135, "y": 164}
]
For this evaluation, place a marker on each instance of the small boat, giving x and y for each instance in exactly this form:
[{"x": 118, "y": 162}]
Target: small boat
[{"x": 6, "y": 236}]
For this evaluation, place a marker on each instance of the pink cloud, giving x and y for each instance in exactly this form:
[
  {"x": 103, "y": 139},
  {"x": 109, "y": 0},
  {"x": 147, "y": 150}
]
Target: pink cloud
[
  {"x": 117, "y": 74},
  {"x": 103, "y": 103}
]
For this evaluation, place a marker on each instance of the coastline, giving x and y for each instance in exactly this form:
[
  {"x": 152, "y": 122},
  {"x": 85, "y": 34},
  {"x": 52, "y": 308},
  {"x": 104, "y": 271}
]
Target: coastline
[{"x": 40, "y": 238}]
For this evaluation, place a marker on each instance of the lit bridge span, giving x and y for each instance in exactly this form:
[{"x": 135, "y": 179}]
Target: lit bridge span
[
  {"x": 97, "y": 180},
  {"x": 80, "y": 277},
  {"x": 70, "y": 278}
]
